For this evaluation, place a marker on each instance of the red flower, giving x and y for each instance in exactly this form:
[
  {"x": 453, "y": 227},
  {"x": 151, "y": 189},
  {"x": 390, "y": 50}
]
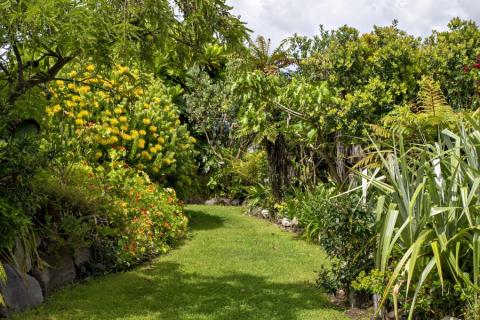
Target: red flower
[{"x": 476, "y": 65}]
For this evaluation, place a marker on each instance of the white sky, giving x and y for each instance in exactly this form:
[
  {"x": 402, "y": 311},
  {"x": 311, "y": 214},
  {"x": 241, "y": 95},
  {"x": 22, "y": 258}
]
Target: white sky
[{"x": 278, "y": 19}]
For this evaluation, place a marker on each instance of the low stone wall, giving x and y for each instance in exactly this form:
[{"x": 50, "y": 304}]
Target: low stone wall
[{"x": 28, "y": 284}]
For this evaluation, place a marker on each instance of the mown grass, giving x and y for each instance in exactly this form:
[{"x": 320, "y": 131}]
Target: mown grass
[{"x": 231, "y": 267}]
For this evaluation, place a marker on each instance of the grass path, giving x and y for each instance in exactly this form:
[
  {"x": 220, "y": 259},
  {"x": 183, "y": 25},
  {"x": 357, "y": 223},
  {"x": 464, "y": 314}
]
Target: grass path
[{"x": 231, "y": 267}]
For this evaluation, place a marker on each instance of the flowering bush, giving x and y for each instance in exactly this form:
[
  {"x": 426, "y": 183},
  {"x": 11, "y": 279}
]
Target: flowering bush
[
  {"x": 120, "y": 213},
  {"x": 129, "y": 112},
  {"x": 146, "y": 219}
]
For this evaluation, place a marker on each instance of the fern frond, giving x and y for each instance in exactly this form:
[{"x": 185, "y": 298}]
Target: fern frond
[
  {"x": 380, "y": 131},
  {"x": 431, "y": 100},
  {"x": 369, "y": 161}
]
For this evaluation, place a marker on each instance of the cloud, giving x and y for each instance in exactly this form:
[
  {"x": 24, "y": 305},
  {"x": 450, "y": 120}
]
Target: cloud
[{"x": 278, "y": 19}]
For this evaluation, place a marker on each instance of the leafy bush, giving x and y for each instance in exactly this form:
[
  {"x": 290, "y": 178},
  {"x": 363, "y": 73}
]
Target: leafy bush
[
  {"x": 342, "y": 225},
  {"x": 128, "y": 112},
  {"x": 126, "y": 217},
  {"x": 13, "y": 222},
  {"x": 144, "y": 220},
  {"x": 235, "y": 176}
]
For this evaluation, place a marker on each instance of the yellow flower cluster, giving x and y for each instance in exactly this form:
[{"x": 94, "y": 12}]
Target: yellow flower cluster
[{"x": 118, "y": 113}]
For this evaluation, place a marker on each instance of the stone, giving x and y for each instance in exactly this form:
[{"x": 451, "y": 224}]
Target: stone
[
  {"x": 218, "y": 201},
  {"x": 255, "y": 211},
  {"x": 99, "y": 268},
  {"x": 265, "y": 213},
  {"x": 286, "y": 223},
  {"x": 59, "y": 272},
  {"x": 237, "y": 202},
  {"x": 358, "y": 299},
  {"x": 22, "y": 254},
  {"x": 294, "y": 223},
  {"x": 82, "y": 256},
  {"x": 21, "y": 292},
  {"x": 340, "y": 294},
  {"x": 449, "y": 318},
  {"x": 81, "y": 259}
]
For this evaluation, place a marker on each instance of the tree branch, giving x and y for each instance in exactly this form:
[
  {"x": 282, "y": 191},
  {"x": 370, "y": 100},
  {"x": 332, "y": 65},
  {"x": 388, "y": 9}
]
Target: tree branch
[
  {"x": 18, "y": 57},
  {"x": 5, "y": 70},
  {"x": 290, "y": 111},
  {"x": 212, "y": 147},
  {"x": 38, "y": 79}
]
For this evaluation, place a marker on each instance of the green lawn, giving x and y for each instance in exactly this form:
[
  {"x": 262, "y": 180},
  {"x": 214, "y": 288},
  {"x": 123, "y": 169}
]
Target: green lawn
[{"x": 231, "y": 267}]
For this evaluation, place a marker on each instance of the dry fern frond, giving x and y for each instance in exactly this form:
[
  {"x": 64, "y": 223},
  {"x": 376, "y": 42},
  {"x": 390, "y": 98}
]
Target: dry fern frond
[
  {"x": 370, "y": 161},
  {"x": 380, "y": 131}
]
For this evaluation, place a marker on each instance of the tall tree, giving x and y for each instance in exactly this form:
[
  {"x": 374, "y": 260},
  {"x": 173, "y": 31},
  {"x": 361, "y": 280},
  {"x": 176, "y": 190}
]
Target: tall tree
[{"x": 257, "y": 87}]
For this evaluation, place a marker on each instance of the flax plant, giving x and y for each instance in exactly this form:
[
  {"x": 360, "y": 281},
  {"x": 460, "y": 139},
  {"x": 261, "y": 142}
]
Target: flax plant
[{"x": 428, "y": 215}]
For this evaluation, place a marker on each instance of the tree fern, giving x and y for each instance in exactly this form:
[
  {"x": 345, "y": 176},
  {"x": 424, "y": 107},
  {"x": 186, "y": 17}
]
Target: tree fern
[
  {"x": 431, "y": 103},
  {"x": 266, "y": 61},
  {"x": 419, "y": 122}
]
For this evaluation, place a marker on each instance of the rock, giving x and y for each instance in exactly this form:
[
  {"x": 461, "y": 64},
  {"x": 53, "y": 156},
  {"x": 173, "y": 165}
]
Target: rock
[
  {"x": 357, "y": 299},
  {"x": 194, "y": 201},
  {"x": 236, "y": 202},
  {"x": 218, "y": 201},
  {"x": 391, "y": 315},
  {"x": 449, "y": 318},
  {"x": 82, "y": 256},
  {"x": 211, "y": 202},
  {"x": 59, "y": 272},
  {"x": 81, "y": 259},
  {"x": 22, "y": 254},
  {"x": 265, "y": 214},
  {"x": 255, "y": 211},
  {"x": 340, "y": 294},
  {"x": 21, "y": 292},
  {"x": 286, "y": 223},
  {"x": 99, "y": 268},
  {"x": 294, "y": 222}
]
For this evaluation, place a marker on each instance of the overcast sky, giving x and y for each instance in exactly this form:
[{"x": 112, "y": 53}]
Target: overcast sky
[{"x": 277, "y": 19}]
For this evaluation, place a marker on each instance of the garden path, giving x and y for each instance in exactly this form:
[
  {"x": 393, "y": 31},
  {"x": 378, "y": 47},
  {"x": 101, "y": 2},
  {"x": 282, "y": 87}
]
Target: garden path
[{"x": 231, "y": 267}]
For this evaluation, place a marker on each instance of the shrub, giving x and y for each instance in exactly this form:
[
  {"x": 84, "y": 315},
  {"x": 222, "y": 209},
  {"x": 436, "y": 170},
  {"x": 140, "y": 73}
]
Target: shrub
[
  {"x": 127, "y": 114},
  {"x": 121, "y": 213},
  {"x": 145, "y": 220},
  {"x": 13, "y": 222},
  {"x": 342, "y": 225},
  {"x": 235, "y": 176}
]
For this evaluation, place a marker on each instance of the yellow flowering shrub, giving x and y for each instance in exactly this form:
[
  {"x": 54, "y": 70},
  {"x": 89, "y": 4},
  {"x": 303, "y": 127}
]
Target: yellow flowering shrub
[{"x": 127, "y": 112}]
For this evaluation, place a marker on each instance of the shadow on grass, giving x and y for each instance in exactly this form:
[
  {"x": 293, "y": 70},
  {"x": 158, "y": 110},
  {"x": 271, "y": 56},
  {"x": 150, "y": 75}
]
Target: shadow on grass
[
  {"x": 199, "y": 220},
  {"x": 165, "y": 292}
]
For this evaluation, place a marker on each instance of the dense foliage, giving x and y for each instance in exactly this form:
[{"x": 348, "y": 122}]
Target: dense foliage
[
  {"x": 111, "y": 108},
  {"x": 93, "y": 130}
]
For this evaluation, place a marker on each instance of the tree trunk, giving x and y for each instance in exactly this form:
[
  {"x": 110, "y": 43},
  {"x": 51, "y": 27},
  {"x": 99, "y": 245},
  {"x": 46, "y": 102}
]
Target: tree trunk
[
  {"x": 277, "y": 157},
  {"x": 340, "y": 158}
]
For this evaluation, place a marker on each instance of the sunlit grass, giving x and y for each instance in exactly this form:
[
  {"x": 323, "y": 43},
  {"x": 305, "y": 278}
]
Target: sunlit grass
[{"x": 231, "y": 267}]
